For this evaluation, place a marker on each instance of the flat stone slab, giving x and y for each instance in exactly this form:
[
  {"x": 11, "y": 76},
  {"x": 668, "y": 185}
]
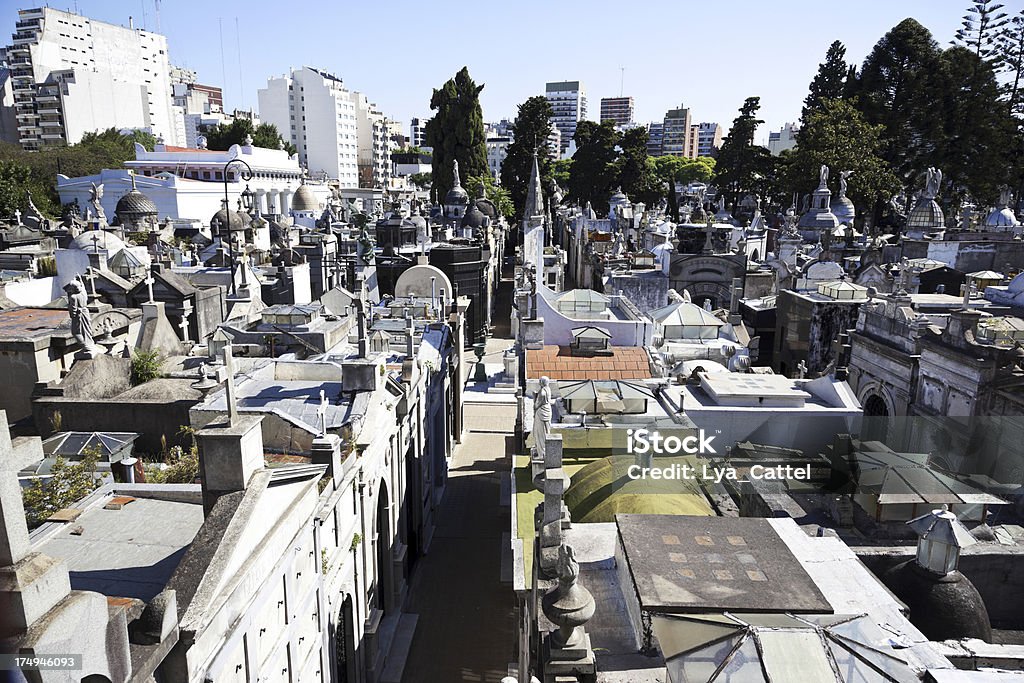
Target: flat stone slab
[
  {"x": 64, "y": 515},
  {"x": 686, "y": 564}
]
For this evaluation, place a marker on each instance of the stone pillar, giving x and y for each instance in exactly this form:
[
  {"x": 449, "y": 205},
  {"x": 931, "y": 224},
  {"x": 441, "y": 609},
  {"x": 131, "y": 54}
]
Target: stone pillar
[
  {"x": 554, "y": 515},
  {"x": 567, "y": 652},
  {"x": 31, "y": 583},
  {"x": 229, "y": 453},
  {"x": 326, "y": 450}
]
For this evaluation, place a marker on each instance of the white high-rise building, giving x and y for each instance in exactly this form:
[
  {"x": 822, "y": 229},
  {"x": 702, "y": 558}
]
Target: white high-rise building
[
  {"x": 319, "y": 115},
  {"x": 418, "y": 133},
  {"x": 71, "y": 75},
  {"x": 784, "y": 139},
  {"x": 568, "y": 100}
]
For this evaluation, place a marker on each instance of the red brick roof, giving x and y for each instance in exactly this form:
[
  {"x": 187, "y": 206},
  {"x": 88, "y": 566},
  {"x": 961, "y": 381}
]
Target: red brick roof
[{"x": 556, "y": 362}]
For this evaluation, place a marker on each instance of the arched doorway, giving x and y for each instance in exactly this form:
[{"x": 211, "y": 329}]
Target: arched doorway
[
  {"x": 876, "y": 419},
  {"x": 382, "y": 532},
  {"x": 344, "y": 643}
]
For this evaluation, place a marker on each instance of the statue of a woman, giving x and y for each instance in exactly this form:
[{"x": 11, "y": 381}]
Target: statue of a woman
[
  {"x": 843, "y": 175},
  {"x": 542, "y": 416},
  {"x": 934, "y": 181},
  {"x": 78, "y": 310},
  {"x": 823, "y": 177}
]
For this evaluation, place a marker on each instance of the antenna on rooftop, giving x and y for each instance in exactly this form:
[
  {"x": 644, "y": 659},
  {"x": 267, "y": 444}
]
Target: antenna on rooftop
[
  {"x": 223, "y": 68},
  {"x": 156, "y": 6},
  {"x": 238, "y": 44},
  {"x": 622, "y": 80}
]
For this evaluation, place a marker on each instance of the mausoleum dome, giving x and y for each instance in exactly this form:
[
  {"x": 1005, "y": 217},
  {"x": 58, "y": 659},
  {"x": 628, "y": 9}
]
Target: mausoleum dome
[
  {"x": 232, "y": 220},
  {"x": 456, "y": 196},
  {"x": 304, "y": 199},
  {"x": 1001, "y": 218},
  {"x": 92, "y": 240},
  {"x": 474, "y": 218},
  {"x": 134, "y": 206},
  {"x": 843, "y": 210}
]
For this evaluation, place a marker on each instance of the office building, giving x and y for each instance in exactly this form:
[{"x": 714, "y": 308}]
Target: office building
[
  {"x": 655, "y": 136},
  {"x": 71, "y": 75},
  {"x": 617, "y": 109},
  {"x": 418, "y": 132},
  {"x": 568, "y": 101}
]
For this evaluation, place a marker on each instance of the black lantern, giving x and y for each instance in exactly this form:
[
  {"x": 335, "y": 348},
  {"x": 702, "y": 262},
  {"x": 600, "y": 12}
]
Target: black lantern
[{"x": 248, "y": 197}]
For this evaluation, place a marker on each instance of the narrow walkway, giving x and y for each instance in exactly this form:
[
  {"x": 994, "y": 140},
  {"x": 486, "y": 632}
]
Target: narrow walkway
[{"x": 465, "y": 630}]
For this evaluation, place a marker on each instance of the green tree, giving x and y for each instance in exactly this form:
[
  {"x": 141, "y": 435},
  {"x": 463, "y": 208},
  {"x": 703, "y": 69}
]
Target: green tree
[
  {"x": 456, "y": 131},
  {"x": 421, "y": 180},
  {"x": 836, "y": 135},
  {"x": 684, "y": 170},
  {"x": 69, "y": 482},
  {"x": 560, "y": 171},
  {"x": 594, "y": 174},
  {"x": 119, "y": 144},
  {"x": 980, "y": 30},
  {"x": 830, "y": 81},
  {"x": 897, "y": 88},
  {"x": 266, "y": 135},
  {"x": 146, "y": 366},
  {"x": 741, "y": 163},
  {"x": 638, "y": 177},
  {"x": 973, "y": 146},
  {"x": 498, "y": 194},
  {"x": 530, "y": 133}
]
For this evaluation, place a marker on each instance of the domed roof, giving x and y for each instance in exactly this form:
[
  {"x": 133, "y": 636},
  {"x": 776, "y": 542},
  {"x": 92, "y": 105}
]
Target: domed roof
[
  {"x": 474, "y": 218},
  {"x": 487, "y": 207},
  {"x": 92, "y": 240},
  {"x": 1001, "y": 218},
  {"x": 926, "y": 215},
  {"x": 304, "y": 199},
  {"x": 844, "y": 210},
  {"x": 944, "y": 607},
  {"x": 236, "y": 222},
  {"x": 602, "y": 489},
  {"x": 134, "y": 204},
  {"x": 618, "y": 197},
  {"x": 456, "y": 196}
]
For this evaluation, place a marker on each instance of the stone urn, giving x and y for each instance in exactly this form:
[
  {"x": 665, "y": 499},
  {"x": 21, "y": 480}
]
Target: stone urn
[{"x": 568, "y": 605}]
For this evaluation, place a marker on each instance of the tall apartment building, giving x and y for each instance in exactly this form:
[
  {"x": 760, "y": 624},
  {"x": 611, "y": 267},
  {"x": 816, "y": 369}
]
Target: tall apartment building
[
  {"x": 319, "y": 115},
  {"x": 655, "y": 136},
  {"x": 568, "y": 100},
  {"x": 784, "y": 139},
  {"x": 71, "y": 75},
  {"x": 617, "y": 109},
  {"x": 675, "y": 139},
  {"x": 418, "y": 132},
  {"x": 374, "y": 149},
  {"x": 709, "y": 139}
]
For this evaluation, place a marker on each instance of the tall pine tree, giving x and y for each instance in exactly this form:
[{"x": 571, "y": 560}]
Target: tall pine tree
[
  {"x": 456, "y": 131},
  {"x": 830, "y": 81},
  {"x": 741, "y": 163}
]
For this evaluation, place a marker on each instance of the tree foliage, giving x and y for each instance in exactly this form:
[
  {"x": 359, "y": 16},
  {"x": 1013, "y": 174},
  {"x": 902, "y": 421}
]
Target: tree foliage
[
  {"x": 68, "y": 483},
  {"x": 146, "y": 366},
  {"x": 36, "y": 172},
  {"x": 421, "y": 180},
  {"x": 266, "y": 135},
  {"x": 595, "y": 172},
  {"x": 835, "y": 134},
  {"x": 456, "y": 131},
  {"x": 831, "y": 80},
  {"x": 684, "y": 170},
  {"x": 530, "y": 133},
  {"x": 498, "y": 194},
  {"x": 742, "y": 165}
]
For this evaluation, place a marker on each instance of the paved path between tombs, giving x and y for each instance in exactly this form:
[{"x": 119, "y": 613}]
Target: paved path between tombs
[{"x": 466, "y": 627}]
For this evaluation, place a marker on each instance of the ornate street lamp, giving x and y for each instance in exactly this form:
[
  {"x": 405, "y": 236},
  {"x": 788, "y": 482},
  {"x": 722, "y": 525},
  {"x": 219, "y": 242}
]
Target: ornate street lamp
[{"x": 246, "y": 174}]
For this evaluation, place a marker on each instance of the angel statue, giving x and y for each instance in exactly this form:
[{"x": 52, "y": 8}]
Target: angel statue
[
  {"x": 1005, "y": 197},
  {"x": 95, "y": 195},
  {"x": 843, "y": 175},
  {"x": 932, "y": 184},
  {"x": 823, "y": 177}
]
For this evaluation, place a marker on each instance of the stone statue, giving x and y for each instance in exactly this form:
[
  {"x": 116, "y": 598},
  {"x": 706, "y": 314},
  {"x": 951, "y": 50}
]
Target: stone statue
[
  {"x": 843, "y": 175},
  {"x": 932, "y": 184},
  {"x": 95, "y": 195},
  {"x": 321, "y": 412},
  {"x": 364, "y": 251},
  {"x": 542, "y": 417},
  {"x": 81, "y": 321},
  {"x": 1005, "y": 197},
  {"x": 823, "y": 178},
  {"x": 568, "y": 605},
  {"x": 801, "y": 370}
]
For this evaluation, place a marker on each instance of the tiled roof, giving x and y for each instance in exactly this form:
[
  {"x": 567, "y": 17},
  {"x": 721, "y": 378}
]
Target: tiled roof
[{"x": 557, "y": 363}]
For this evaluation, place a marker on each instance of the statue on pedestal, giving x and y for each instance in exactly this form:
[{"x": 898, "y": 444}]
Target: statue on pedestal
[
  {"x": 542, "y": 417},
  {"x": 95, "y": 195},
  {"x": 81, "y": 321}
]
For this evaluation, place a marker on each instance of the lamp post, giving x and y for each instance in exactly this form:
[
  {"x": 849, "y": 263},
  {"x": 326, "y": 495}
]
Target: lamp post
[{"x": 247, "y": 203}]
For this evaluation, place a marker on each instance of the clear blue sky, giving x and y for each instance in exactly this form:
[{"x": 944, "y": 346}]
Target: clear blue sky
[{"x": 706, "y": 55}]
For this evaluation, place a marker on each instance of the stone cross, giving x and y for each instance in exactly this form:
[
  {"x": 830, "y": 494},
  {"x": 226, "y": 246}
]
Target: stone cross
[
  {"x": 149, "y": 286},
  {"x": 90, "y": 275},
  {"x": 95, "y": 243},
  {"x": 801, "y": 370},
  {"x": 17, "y": 216},
  {"x": 229, "y": 386},
  {"x": 184, "y": 326}
]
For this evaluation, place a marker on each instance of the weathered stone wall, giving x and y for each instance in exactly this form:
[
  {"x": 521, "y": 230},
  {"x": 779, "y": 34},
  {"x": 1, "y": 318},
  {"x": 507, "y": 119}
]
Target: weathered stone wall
[{"x": 151, "y": 419}]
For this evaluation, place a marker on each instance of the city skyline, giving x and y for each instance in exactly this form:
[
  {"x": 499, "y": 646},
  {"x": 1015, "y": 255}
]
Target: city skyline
[{"x": 721, "y": 83}]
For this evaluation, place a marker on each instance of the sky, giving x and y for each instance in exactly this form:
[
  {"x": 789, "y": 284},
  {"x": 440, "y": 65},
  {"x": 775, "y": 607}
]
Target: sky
[{"x": 708, "y": 56}]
